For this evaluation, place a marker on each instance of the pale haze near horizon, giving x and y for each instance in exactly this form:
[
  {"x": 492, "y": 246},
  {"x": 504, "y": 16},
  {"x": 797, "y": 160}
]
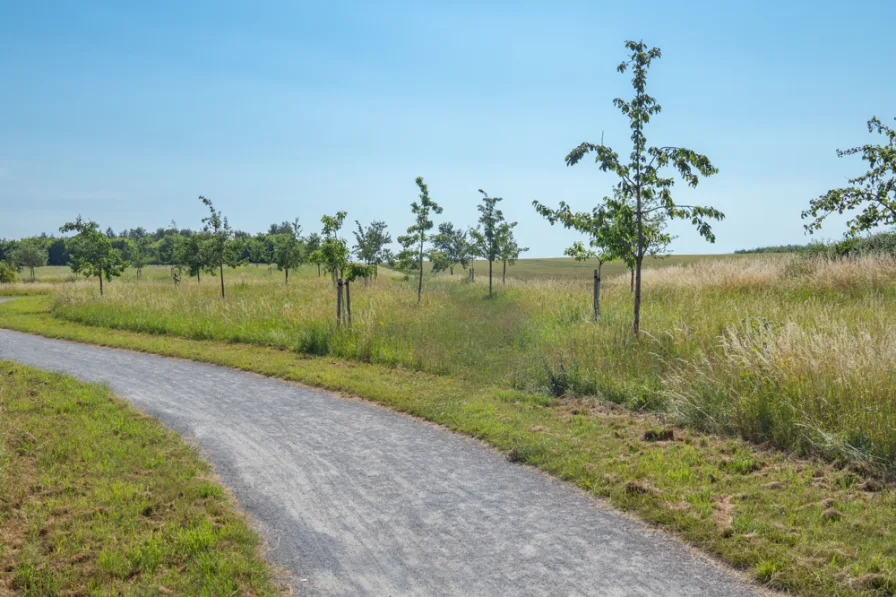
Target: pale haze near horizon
[{"x": 126, "y": 114}]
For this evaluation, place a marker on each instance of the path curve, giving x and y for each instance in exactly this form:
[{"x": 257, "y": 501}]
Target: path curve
[{"x": 357, "y": 500}]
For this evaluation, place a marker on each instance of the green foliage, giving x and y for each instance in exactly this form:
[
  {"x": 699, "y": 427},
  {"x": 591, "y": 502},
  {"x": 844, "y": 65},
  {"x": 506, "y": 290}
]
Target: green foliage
[
  {"x": 29, "y": 253},
  {"x": 7, "y": 273},
  {"x": 487, "y": 236},
  {"x": 640, "y": 180},
  {"x": 451, "y": 247},
  {"x": 92, "y": 253},
  {"x": 289, "y": 252},
  {"x": 493, "y": 237},
  {"x": 260, "y": 249},
  {"x": 218, "y": 247},
  {"x": 413, "y": 243},
  {"x": 333, "y": 252},
  {"x": 874, "y": 192},
  {"x": 372, "y": 242}
]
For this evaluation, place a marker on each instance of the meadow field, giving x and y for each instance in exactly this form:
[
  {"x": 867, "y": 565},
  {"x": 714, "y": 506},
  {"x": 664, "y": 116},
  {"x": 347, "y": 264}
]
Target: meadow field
[
  {"x": 798, "y": 353},
  {"x": 773, "y": 372}
]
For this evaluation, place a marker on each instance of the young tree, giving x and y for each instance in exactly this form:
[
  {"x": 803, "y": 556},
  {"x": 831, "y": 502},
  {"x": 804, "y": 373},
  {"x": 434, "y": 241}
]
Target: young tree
[
  {"x": 312, "y": 244},
  {"x": 189, "y": 254},
  {"x": 289, "y": 252},
  {"x": 110, "y": 233},
  {"x": 875, "y": 190},
  {"x": 136, "y": 255},
  {"x": 334, "y": 255},
  {"x": 414, "y": 242},
  {"x": 451, "y": 247},
  {"x": 91, "y": 252},
  {"x": 218, "y": 250},
  {"x": 640, "y": 180},
  {"x": 30, "y": 253},
  {"x": 372, "y": 243},
  {"x": 509, "y": 250},
  {"x": 487, "y": 235}
]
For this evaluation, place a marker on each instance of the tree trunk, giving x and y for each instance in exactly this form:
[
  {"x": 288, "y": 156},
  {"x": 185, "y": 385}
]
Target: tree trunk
[
  {"x": 504, "y": 273},
  {"x": 287, "y": 276},
  {"x": 221, "y": 267},
  {"x": 451, "y": 269},
  {"x": 339, "y": 303},
  {"x": 318, "y": 270},
  {"x": 32, "y": 273},
  {"x": 597, "y": 292},
  {"x": 489, "y": 277},
  {"x": 348, "y": 303},
  {"x": 632, "y": 281},
  {"x": 198, "y": 276},
  {"x": 101, "y": 283},
  {"x": 420, "y": 283}
]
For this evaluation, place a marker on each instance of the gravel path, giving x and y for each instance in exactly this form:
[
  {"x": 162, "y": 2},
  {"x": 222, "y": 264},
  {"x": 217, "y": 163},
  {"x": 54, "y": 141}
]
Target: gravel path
[{"x": 357, "y": 500}]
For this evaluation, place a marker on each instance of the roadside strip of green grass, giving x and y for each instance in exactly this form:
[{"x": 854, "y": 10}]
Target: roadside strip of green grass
[
  {"x": 97, "y": 498},
  {"x": 805, "y": 526}
]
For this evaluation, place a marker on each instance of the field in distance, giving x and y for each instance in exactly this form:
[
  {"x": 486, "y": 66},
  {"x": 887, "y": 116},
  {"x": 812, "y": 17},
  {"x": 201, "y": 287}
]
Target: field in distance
[
  {"x": 566, "y": 267},
  {"x": 548, "y": 267}
]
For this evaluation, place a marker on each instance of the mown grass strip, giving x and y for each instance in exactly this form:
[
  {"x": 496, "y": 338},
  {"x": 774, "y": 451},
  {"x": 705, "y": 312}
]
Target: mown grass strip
[
  {"x": 96, "y": 498},
  {"x": 804, "y": 526}
]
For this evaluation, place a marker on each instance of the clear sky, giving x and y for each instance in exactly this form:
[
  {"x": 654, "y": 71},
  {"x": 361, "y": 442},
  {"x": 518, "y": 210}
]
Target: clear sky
[{"x": 125, "y": 112}]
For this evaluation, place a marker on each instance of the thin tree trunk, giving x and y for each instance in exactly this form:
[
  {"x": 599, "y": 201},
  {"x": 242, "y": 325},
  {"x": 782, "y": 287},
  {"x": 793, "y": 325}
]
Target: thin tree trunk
[
  {"x": 451, "y": 269},
  {"x": 221, "y": 267},
  {"x": 597, "y": 291},
  {"x": 287, "y": 276},
  {"x": 199, "y": 277},
  {"x": 420, "y": 283},
  {"x": 639, "y": 258},
  {"x": 318, "y": 270},
  {"x": 632, "y": 281},
  {"x": 339, "y": 303},
  {"x": 32, "y": 273},
  {"x": 489, "y": 277},
  {"x": 348, "y": 303},
  {"x": 504, "y": 273},
  {"x": 101, "y": 284}
]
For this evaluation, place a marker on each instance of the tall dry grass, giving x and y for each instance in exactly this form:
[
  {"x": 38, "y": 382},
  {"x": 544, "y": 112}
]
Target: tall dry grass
[{"x": 796, "y": 352}]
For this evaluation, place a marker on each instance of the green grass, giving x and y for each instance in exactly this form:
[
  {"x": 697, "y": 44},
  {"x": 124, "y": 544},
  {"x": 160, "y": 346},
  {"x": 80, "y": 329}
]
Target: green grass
[
  {"x": 797, "y": 524},
  {"x": 96, "y": 498},
  {"x": 797, "y": 353},
  {"x": 569, "y": 268}
]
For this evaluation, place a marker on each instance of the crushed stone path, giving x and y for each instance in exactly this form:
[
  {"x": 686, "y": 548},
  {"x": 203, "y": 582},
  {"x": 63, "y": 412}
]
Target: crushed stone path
[{"x": 354, "y": 499}]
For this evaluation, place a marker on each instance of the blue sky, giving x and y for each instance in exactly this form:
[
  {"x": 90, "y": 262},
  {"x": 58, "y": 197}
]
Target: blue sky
[{"x": 126, "y": 112}]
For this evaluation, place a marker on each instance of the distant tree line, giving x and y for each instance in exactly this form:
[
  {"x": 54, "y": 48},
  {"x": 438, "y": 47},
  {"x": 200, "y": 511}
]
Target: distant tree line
[{"x": 881, "y": 243}]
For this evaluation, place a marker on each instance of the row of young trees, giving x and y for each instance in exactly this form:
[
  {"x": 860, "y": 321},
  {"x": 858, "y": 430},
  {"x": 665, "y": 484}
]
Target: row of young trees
[{"x": 628, "y": 225}]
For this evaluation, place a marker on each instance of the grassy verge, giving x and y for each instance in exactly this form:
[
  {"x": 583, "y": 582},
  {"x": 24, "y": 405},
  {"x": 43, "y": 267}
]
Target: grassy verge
[
  {"x": 801, "y": 525},
  {"x": 96, "y": 498}
]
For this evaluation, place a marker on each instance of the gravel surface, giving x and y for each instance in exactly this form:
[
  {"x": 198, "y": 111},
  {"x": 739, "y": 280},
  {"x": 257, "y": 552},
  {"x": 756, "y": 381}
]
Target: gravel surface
[{"x": 354, "y": 499}]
